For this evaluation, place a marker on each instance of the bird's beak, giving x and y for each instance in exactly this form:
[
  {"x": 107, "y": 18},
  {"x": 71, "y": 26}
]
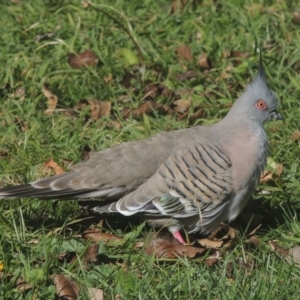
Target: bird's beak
[{"x": 274, "y": 115}]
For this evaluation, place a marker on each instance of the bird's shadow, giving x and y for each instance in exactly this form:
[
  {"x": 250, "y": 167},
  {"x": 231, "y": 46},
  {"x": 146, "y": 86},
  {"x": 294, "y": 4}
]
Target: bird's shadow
[{"x": 257, "y": 212}]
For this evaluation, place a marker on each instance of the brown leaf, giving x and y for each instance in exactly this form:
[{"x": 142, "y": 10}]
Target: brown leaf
[
  {"x": 128, "y": 78},
  {"x": 108, "y": 78},
  {"x": 91, "y": 253},
  {"x": 247, "y": 264},
  {"x": 98, "y": 236},
  {"x": 150, "y": 90},
  {"x": 254, "y": 230},
  {"x": 189, "y": 74},
  {"x": 22, "y": 285},
  {"x": 95, "y": 294},
  {"x": 271, "y": 175},
  {"x": 85, "y": 4},
  {"x": 90, "y": 256},
  {"x": 200, "y": 113},
  {"x": 280, "y": 250},
  {"x": 232, "y": 235},
  {"x": 52, "y": 100},
  {"x": 226, "y": 53},
  {"x": 239, "y": 56},
  {"x": 294, "y": 255},
  {"x": 115, "y": 124},
  {"x": 177, "y": 5},
  {"x": 164, "y": 249},
  {"x": 67, "y": 163},
  {"x": 206, "y": 243},
  {"x": 182, "y": 105},
  {"x": 253, "y": 240},
  {"x": 19, "y": 93},
  {"x": 226, "y": 73},
  {"x": 296, "y": 135},
  {"x": 99, "y": 108},
  {"x": 54, "y": 166},
  {"x": 226, "y": 234},
  {"x": 165, "y": 91},
  {"x": 296, "y": 18},
  {"x": 146, "y": 108},
  {"x": 203, "y": 62},
  {"x": 184, "y": 53},
  {"x": 183, "y": 116},
  {"x": 65, "y": 288},
  {"x": 211, "y": 260},
  {"x": 84, "y": 59}
]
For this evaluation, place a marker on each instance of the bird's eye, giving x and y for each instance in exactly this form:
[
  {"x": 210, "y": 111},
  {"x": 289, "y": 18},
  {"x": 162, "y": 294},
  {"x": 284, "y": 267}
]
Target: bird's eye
[{"x": 261, "y": 104}]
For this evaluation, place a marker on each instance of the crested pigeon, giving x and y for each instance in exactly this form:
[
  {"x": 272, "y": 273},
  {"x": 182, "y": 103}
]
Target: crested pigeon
[{"x": 191, "y": 179}]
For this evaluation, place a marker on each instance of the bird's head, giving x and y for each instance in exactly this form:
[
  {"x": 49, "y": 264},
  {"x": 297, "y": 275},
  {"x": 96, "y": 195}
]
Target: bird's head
[{"x": 258, "y": 103}]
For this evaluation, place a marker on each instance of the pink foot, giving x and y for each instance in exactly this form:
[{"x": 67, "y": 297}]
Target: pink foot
[{"x": 177, "y": 235}]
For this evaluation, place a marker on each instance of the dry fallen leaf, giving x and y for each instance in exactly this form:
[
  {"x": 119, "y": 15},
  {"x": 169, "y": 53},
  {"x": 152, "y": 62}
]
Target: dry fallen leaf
[
  {"x": 50, "y": 163},
  {"x": 292, "y": 256},
  {"x": 108, "y": 78},
  {"x": 246, "y": 263},
  {"x": 86, "y": 58},
  {"x": 280, "y": 250},
  {"x": 21, "y": 285},
  {"x": 274, "y": 172},
  {"x": 203, "y": 61},
  {"x": 200, "y": 113},
  {"x": 184, "y": 53},
  {"x": 128, "y": 79},
  {"x": 225, "y": 236},
  {"x": 182, "y": 105},
  {"x": 150, "y": 90},
  {"x": 95, "y": 294},
  {"x": 98, "y": 108},
  {"x": 53, "y": 165},
  {"x": 296, "y": 18},
  {"x": 164, "y": 249},
  {"x": 211, "y": 260},
  {"x": 115, "y": 124},
  {"x": 98, "y": 236},
  {"x": 239, "y": 56},
  {"x": 85, "y": 4},
  {"x": 52, "y": 100},
  {"x": 178, "y": 5},
  {"x": 146, "y": 108},
  {"x": 296, "y": 135},
  {"x": 253, "y": 240},
  {"x": 19, "y": 93},
  {"x": 65, "y": 288},
  {"x": 91, "y": 253},
  {"x": 206, "y": 243},
  {"x": 89, "y": 256},
  {"x": 189, "y": 74},
  {"x": 165, "y": 91}
]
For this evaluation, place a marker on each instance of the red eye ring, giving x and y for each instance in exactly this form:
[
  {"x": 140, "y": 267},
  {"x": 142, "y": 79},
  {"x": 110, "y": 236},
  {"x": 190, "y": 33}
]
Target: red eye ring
[{"x": 261, "y": 104}]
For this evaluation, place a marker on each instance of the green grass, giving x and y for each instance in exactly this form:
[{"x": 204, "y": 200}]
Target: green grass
[{"x": 28, "y": 137}]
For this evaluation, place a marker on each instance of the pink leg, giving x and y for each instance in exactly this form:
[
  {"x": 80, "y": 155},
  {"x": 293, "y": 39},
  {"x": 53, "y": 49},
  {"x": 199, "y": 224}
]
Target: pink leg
[{"x": 177, "y": 235}]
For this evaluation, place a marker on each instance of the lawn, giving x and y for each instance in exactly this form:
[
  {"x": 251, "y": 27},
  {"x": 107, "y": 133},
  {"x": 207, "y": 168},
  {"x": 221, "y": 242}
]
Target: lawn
[{"x": 188, "y": 61}]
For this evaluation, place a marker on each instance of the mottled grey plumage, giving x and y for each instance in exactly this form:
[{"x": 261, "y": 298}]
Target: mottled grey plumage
[{"x": 194, "y": 178}]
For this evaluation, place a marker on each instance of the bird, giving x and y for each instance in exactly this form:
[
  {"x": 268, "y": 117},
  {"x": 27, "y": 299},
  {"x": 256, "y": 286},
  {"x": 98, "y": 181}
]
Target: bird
[{"x": 188, "y": 180}]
